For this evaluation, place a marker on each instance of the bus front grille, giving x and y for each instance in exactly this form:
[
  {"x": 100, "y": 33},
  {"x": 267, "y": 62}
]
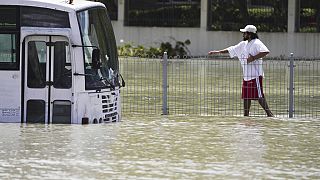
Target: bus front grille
[{"x": 110, "y": 107}]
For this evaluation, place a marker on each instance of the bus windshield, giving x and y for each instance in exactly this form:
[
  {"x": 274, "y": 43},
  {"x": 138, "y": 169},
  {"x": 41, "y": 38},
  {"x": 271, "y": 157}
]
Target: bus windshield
[{"x": 96, "y": 31}]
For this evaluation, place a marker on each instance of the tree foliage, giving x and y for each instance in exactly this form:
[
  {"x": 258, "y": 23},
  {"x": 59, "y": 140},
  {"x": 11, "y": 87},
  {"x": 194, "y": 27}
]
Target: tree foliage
[{"x": 179, "y": 50}]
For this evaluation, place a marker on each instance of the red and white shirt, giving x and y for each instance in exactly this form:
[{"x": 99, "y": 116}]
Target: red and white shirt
[{"x": 242, "y": 50}]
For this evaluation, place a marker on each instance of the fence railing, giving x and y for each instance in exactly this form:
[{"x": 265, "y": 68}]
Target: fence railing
[{"x": 212, "y": 86}]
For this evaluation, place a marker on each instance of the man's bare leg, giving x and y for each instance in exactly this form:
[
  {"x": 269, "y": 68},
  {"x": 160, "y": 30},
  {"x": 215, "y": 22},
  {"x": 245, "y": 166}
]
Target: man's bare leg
[
  {"x": 264, "y": 105},
  {"x": 246, "y": 106}
]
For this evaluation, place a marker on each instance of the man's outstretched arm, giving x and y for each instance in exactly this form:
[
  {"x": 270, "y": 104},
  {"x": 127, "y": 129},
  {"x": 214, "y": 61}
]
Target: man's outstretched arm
[{"x": 218, "y": 51}]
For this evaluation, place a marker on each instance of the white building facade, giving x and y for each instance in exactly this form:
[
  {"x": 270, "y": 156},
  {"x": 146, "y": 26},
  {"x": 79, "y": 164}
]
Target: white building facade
[{"x": 280, "y": 43}]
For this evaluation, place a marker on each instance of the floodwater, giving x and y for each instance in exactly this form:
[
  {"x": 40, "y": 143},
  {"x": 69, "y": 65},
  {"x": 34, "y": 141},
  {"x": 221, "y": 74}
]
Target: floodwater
[{"x": 163, "y": 147}]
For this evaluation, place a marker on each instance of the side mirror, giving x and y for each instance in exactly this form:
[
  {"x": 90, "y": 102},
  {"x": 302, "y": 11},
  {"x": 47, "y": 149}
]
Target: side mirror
[
  {"x": 96, "y": 64},
  {"x": 123, "y": 83}
]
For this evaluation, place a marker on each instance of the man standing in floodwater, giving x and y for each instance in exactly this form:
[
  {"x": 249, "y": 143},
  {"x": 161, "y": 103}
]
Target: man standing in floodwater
[{"x": 250, "y": 52}]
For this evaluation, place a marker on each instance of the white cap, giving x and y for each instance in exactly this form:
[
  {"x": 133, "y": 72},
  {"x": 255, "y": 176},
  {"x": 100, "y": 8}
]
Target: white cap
[{"x": 249, "y": 28}]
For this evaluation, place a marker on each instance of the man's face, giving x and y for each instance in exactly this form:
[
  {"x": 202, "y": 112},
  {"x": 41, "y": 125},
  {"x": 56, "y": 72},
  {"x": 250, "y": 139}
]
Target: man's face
[{"x": 246, "y": 36}]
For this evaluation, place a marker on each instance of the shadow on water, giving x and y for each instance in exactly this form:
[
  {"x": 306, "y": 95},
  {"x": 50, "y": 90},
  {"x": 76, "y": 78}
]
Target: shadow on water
[{"x": 163, "y": 147}]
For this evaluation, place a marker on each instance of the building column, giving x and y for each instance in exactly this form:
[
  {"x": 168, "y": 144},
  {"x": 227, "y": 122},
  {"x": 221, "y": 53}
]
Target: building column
[
  {"x": 121, "y": 10},
  {"x": 292, "y": 15},
  {"x": 118, "y": 25},
  {"x": 203, "y": 14}
]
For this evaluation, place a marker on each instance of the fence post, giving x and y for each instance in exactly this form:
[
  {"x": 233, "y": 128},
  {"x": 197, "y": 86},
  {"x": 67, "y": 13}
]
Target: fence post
[
  {"x": 291, "y": 86},
  {"x": 164, "y": 84}
]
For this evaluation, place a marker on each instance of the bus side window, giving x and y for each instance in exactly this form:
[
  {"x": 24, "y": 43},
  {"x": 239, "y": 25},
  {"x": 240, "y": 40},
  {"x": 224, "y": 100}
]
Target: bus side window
[{"x": 8, "y": 59}]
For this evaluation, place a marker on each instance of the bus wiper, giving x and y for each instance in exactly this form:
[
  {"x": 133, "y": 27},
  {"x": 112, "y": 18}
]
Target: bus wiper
[
  {"x": 101, "y": 79},
  {"x": 112, "y": 86},
  {"x": 117, "y": 76}
]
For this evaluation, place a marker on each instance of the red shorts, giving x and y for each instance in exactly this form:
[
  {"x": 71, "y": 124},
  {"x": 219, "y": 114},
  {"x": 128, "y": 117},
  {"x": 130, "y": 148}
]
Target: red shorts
[{"x": 252, "y": 89}]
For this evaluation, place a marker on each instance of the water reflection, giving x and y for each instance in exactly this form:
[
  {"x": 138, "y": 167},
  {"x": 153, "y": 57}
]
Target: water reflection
[{"x": 163, "y": 147}]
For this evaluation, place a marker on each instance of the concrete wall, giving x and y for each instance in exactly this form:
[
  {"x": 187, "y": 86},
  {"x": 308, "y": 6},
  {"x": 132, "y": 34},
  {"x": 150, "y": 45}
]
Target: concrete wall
[{"x": 202, "y": 41}]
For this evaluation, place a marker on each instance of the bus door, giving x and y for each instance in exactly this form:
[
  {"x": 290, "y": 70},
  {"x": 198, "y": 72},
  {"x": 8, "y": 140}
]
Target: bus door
[{"x": 47, "y": 80}]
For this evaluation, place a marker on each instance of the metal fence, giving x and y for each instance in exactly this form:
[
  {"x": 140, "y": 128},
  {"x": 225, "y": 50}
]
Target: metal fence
[{"x": 212, "y": 87}]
